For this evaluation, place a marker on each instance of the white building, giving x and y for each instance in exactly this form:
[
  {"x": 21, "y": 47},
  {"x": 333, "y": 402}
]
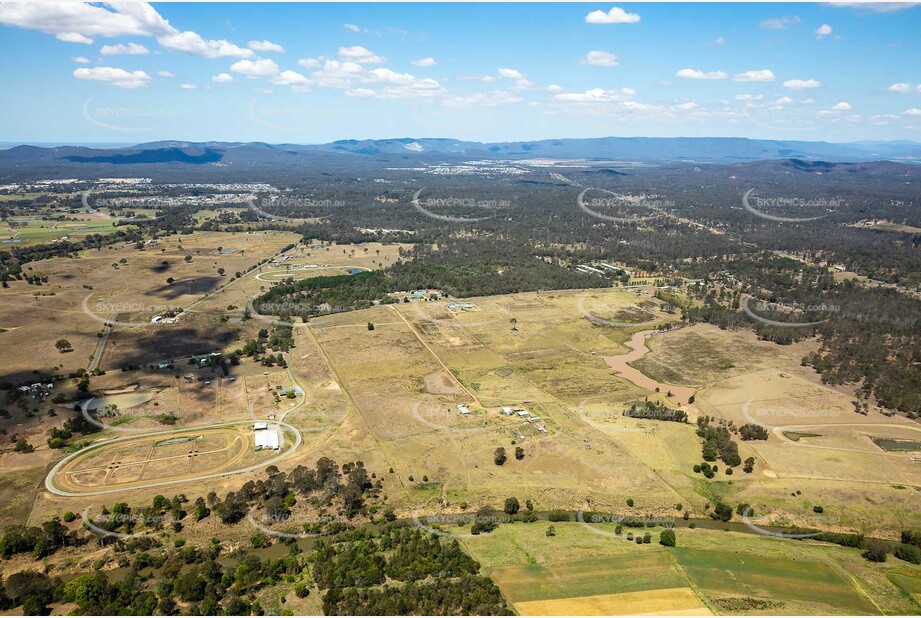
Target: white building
[
  {"x": 267, "y": 438},
  {"x": 463, "y": 409}
]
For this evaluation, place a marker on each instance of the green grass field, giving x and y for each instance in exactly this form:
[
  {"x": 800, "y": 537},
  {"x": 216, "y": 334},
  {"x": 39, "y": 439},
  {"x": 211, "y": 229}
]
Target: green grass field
[
  {"x": 722, "y": 573},
  {"x": 732, "y": 572},
  {"x": 39, "y": 232},
  {"x": 640, "y": 571},
  {"x": 909, "y": 584}
]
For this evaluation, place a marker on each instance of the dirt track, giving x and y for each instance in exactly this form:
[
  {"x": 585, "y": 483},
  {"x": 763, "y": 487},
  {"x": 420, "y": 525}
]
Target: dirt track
[{"x": 64, "y": 487}]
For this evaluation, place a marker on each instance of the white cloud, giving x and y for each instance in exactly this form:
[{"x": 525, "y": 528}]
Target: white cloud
[
  {"x": 290, "y": 78},
  {"x": 841, "y": 106},
  {"x": 402, "y": 85},
  {"x": 222, "y": 78},
  {"x": 883, "y": 118},
  {"x": 166, "y": 74},
  {"x": 597, "y": 95},
  {"x": 424, "y": 62},
  {"x": 127, "y": 49},
  {"x": 261, "y": 67},
  {"x": 361, "y": 93},
  {"x": 749, "y": 98},
  {"x": 359, "y": 81},
  {"x": 779, "y": 23},
  {"x": 695, "y": 74},
  {"x": 337, "y": 74},
  {"x": 510, "y": 74},
  {"x": 309, "y": 63},
  {"x": 485, "y": 99},
  {"x": 524, "y": 84},
  {"x": 688, "y": 105},
  {"x": 359, "y": 54},
  {"x": 600, "y": 59},
  {"x": 480, "y": 78},
  {"x": 618, "y": 102},
  {"x": 719, "y": 40},
  {"x": 901, "y": 87},
  {"x": 763, "y": 75},
  {"x": 188, "y": 87},
  {"x": 554, "y": 88},
  {"x": 615, "y": 16},
  {"x": 80, "y": 60},
  {"x": 77, "y": 22},
  {"x": 265, "y": 46},
  {"x": 351, "y": 27},
  {"x": 85, "y": 19},
  {"x": 192, "y": 43},
  {"x": 914, "y": 111},
  {"x": 119, "y": 78},
  {"x": 74, "y": 37},
  {"x": 801, "y": 84},
  {"x": 823, "y": 30},
  {"x": 783, "y": 101},
  {"x": 876, "y": 7}
]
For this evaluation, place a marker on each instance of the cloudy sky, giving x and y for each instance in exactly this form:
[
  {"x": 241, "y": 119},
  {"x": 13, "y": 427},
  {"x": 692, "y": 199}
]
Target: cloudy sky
[{"x": 307, "y": 73}]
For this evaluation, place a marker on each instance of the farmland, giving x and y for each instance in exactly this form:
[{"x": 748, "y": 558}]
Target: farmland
[
  {"x": 580, "y": 570},
  {"x": 455, "y": 405},
  {"x": 390, "y": 396}
]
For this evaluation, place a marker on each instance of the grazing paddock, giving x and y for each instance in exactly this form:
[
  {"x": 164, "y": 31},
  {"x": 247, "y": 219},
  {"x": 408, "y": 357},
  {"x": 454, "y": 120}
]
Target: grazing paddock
[
  {"x": 817, "y": 585},
  {"x": 909, "y": 584},
  {"x": 644, "y": 570},
  {"x": 644, "y": 583}
]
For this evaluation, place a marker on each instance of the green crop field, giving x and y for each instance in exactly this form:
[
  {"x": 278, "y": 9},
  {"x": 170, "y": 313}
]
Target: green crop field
[
  {"x": 643, "y": 570},
  {"x": 910, "y": 584},
  {"x": 724, "y": 573}
]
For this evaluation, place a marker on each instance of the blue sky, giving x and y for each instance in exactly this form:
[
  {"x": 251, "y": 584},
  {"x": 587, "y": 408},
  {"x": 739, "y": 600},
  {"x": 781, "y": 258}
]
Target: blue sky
[{"x": 308, "y": 73}]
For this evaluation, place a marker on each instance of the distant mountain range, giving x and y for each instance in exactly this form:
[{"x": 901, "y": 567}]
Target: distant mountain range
[
  {"x": 645, "y": 149},
  {"x": 31, "y": 162}
]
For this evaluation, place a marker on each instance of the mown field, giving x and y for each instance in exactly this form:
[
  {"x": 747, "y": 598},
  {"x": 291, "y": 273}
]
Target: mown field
[
  {"x": 578, "y": 570},
  {"x": 813, "y": 584}
]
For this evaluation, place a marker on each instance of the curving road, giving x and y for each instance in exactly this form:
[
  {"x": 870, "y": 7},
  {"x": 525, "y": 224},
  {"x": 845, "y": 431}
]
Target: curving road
[{"x": 298, "y": 438}]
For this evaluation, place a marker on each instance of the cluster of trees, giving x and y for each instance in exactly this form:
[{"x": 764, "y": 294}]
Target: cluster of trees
[
  {"x": 718, "y": 442},
  {"x": 471, "y": 595},
  {"x": 435, "y": 576},
  {"x": 706, "y": 469},
  {"x": 38, "y": 541},
  {"x": 324, "y": 486},
  {"x": 752, "y": 431},
  {"x": 281, "y": 339},
  {"x": 650, "y": 410},
  {"x": 192, "y": 576}
]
